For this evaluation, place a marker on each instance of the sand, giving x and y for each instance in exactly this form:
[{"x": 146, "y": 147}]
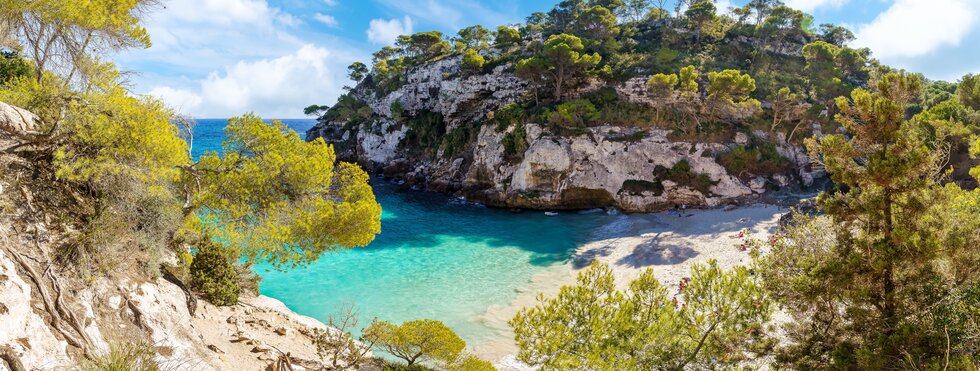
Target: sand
[{"x": 669, "y": 243}]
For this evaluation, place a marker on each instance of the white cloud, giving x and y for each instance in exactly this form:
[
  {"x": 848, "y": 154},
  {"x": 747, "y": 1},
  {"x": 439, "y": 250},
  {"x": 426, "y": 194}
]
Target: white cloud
[
  {"x": 326, "y": 19},
  {"x": 387, "y": 31},
  {"x": 811, "y": 5},
  {"x": 180, "y": 99},
  {"x": 913, "y": 28},
  {"x": 221, "y": 58},
  {"x": 330, "y": 2},
  {"x": 273, "y": 88}
]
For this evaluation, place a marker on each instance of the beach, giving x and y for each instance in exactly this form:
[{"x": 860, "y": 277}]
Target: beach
[{"x": 667, "y": 242}]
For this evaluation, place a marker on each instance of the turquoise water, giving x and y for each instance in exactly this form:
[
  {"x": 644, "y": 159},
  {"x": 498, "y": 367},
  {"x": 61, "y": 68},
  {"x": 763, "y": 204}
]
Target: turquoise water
[{"x": 436, "y": 257}]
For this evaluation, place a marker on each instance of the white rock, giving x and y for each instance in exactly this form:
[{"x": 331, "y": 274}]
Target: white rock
[{"x": 741, "y": 138}]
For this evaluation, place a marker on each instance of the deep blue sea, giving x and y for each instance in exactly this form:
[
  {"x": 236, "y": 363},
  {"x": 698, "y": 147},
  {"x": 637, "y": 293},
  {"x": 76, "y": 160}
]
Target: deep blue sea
[{"x": 436, "y": 257}]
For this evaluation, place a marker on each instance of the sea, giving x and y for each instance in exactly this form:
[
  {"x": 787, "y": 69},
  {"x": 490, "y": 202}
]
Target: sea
[{"x": 437, "y": 257}]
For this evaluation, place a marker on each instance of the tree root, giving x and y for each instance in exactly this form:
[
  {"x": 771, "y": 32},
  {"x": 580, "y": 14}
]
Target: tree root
[
  {"x": 7, "y": 356},
  {"x": 191, "y": 300},
  {"x": 55, "y": 310}
]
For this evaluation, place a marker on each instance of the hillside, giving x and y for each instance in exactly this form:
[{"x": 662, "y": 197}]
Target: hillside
[{"x": 587, "y": 106}]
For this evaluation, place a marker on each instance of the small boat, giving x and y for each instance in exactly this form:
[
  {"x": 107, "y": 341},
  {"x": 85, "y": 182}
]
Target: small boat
[{"x": 550, "y": 213}]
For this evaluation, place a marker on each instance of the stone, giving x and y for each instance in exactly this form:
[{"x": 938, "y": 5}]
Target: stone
[
  {"x": 758, "y": 184},
  {"x": 741, "y": 138},
  {"x": 781, "y": 180}
]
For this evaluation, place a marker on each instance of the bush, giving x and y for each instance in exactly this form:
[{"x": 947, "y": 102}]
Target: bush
[
  {"x": 426, "y": 130},
  {"x": 510, "y": 114},
  {"x": 123, "y": 356},
  {"x": 574, "y": 114},
  {"x": 515, "y": 142},
  {"x": 214, "y": 275},
  {"x": 681, "y": 174},
  {"x": 746, "y": 161},
  {"x": 417, "y": 341},
  {"x": 473, "y": 61}
]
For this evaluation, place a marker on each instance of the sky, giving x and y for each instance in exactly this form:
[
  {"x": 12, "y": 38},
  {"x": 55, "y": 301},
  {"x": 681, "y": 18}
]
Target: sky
[{"x": 222, "y": 58}]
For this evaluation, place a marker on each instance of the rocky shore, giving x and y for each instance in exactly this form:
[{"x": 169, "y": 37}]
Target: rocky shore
[{"x": 599, "y": 167}]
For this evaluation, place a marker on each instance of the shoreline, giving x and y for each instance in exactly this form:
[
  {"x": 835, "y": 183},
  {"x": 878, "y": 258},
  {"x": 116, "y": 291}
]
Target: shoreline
[{"x": 668, "y": 242}]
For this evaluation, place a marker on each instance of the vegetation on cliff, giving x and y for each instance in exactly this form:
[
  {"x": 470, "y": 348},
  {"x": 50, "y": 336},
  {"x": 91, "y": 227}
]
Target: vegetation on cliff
[
  {"x": 112, "y": 173},
  {"x": 885, "y": 279}
]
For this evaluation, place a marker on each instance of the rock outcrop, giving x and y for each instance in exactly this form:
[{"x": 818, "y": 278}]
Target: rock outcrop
[
  {"x": 54, "y": 317},
  {"x": 591, "y": 169}
]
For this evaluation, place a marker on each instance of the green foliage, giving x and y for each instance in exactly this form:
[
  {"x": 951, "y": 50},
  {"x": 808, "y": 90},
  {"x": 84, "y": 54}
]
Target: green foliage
[
  {"x": 969, "y": 91},
  {"x": 688, "y": 78},
  {"x": 474, "y": 37},
  {"x": 749, "y": 161},
  {"x": 472, "y": 61},
  {"x": 315, "y": 110},
  {"x": 456, "y": 139},
  {"x": 560, "y": 63},
  {"x": 277, "y": 198},
  {"x": 426, "y": 130},
  {"x": 575, "y": 114},
  {"x": 510, "y": 114},
  {"x": 591, "y": 325},
  {"x": 123, "y": 356},
  {"x": 515, "y": 142},
  {"x": 892, "y": 252},
  {"x": 417, "y": 341},
  {"x": 730, "y": 86},
  {"x": 662, "y": 85},
  {"x": 397, "y": 111},
  {"x": 350, "y": 110},
  {"x": 728, "y": 96},
  {"x": 13, "y": 67},
  {"x": 65, "y": 34},
  {"x": 424, "y": 46},
  {"x": 506, "y": 37},
  {"x": 357, "y": 71},
  {"x": 682, "y": 174},
  {"x": 832, "y": 71},
  {"x": 597, "y": 25},
  {"x": 213, "y": 275}
]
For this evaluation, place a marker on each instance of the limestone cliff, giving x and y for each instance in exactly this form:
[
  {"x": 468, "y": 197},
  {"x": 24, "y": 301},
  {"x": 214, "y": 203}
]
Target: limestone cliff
[
  {"x": 53, "y": 316},
  {"x": 594, "y": 168}
]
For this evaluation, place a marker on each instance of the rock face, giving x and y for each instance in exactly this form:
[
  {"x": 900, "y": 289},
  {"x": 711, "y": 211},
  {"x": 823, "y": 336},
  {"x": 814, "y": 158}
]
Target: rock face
[
  {"x": 54, "y": 318},
  {"x": 598, "y": 168}
]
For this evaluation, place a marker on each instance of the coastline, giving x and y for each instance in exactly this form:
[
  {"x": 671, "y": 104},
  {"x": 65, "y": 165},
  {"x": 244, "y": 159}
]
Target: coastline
[{"x": 668, "y": 242}]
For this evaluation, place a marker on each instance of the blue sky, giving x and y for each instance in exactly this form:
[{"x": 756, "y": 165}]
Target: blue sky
[{"x": 220, "y": 58}]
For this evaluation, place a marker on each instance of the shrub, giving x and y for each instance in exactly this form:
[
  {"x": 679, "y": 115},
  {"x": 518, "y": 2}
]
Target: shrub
[
  {"x": 578, "y": 113},
  {"x": 682, "y": 174},
  {"x": 417, "y": 340},
  {"x": 456, "y": 140},
  {"x": 510, "y": 114},
  {"x": 515, "y": 142},
  {"x": 123, "y": 356},
  {"x": 397, "y": 111},
  {"x": 426, "y": 130},
  {"x": 745, "y": 161},
  {"x": 214, "y": 275},
  {"x": 472, "y": 61}
]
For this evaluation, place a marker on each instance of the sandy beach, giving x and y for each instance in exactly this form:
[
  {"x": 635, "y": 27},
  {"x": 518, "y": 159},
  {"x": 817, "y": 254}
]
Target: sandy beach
[{"x": 668, "y": 242}]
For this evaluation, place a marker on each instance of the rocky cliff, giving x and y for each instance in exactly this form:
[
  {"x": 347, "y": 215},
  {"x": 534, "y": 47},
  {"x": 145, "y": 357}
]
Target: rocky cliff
[
  {"x": 55, "y": 317},
  {"x": 603, "y": 166}
]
